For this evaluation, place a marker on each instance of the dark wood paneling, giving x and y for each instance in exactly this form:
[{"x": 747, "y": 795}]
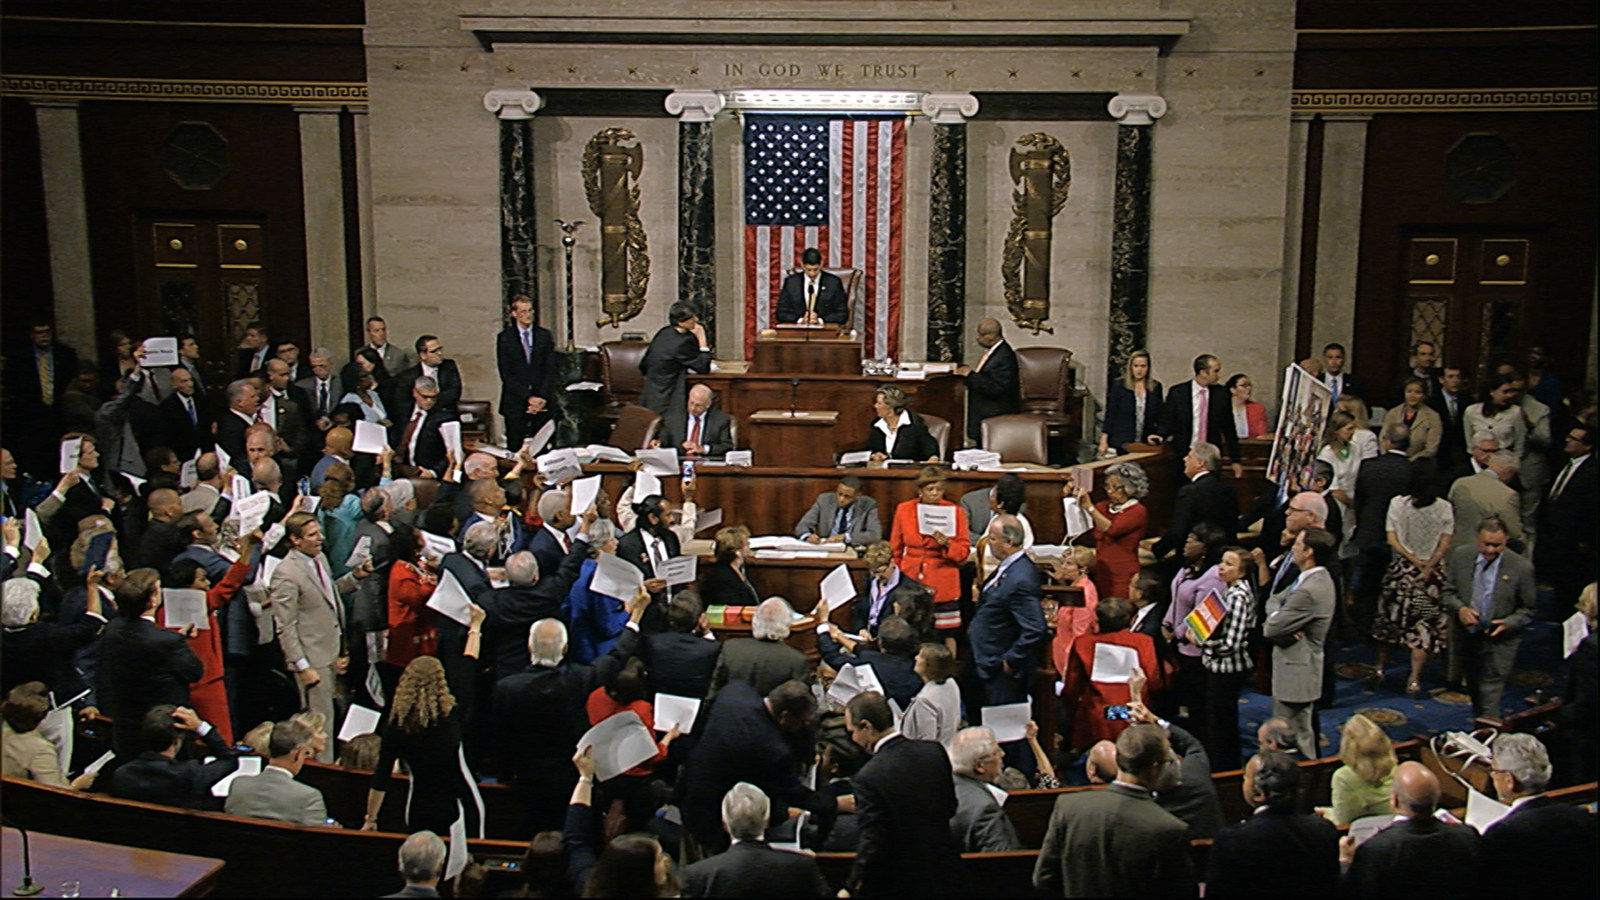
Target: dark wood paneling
[
  {"x": 25, "y": 286},
  {"x": 124, "y": 175}
]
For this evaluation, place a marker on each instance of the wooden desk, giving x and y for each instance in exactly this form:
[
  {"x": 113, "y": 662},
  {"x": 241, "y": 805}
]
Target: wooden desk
[
  {"x": 100, "y": 867},
  {"x": 780, "y": 440},
  {"x": 743, "y": 393},
  {"x": 815, "y": 351}
]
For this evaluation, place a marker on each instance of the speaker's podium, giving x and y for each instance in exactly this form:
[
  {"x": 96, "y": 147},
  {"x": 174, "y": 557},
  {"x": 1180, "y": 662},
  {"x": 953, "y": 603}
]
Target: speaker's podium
[{"x": 806, "y": 350}]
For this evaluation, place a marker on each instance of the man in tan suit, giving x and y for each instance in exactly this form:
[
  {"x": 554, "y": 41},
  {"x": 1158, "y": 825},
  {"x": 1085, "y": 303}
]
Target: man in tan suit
[
  {"x": 310, "y": 615},
  {"x": 1477, "y": 497}
]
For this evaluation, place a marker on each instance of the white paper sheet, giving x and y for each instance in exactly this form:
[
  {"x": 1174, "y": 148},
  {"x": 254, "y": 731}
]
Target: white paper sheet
[
  {"x": 358, "y": 721},
  {"x": 584, "y": 492},
  {"x": 451, "y": 432},
  {"x": 1113, "y": 664},
  {"x": 1483, "y": 811},
  {"x": 541, "y": 437},
  {"x": 188, "y": 475},
  {"x": 32, "y": 532},
  {"x": 252, "y": 510},
  {"x": 1077, "y": 519},
  {"x": 974, "y": 459},
  {"x": 309, "y": 503},
  {"x": 585, "y": 386},
  {"x": 744, "y": 458},
  {"x": 674, "y": 710},
  {"x": 710, "y": 518},
  {"x": 223, "y": 459},
  {"x": 620, "y": 742},
  {"x": 160, "y": 351},
  {"x": 273, "y": 537},
  {"x": 360, "y": 553},
  {"x": 606, "y": 453},
  {"x": 450, "y": 599},
  {"x": 370, "y": 437},
  {"x": 662, "y": 461},
  {"x": 456, "y": 854},
  {"x": 855, "y": 458},
  {"x": 934, "y": 517},
  {"x": 135, "y": 480},
  {"x": 239, "y": 487},
  {"x": 1573, "y": 631},
  {"x": 838, "y": 588},
  {"x": 181, "y": 607},
  {"x": 853, "y": 680},
  {"x": 1009, "y": 721},
  {"x": 437, "y": 547},
  {"x": 248, "y": 765},
  {"x": 616, "y": 577},
  {"x": 264, "y": 570},
  {"x": 678, "y": 570},
  {"x": 1367, "y": 826},
  {"x": 494, "y": 451},
  {"x": 95, "y": 767},
  {"x": 69, "y": 454},
  {"x": 645, "y": 483},
  {"x": 560, "y": 466}
]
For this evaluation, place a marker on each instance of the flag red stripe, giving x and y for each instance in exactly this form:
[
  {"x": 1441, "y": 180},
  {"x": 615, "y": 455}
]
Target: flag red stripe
[
  {"x": 870, "y": 263},
  {"x": 897, "y": 190}
]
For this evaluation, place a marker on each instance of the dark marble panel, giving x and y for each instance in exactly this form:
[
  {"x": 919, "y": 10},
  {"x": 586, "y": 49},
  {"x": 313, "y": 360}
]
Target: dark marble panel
[
  {"x": 697, "y": 231},
  {"x": 947, "y": 244},
  {"x": 517, "y": 232},
  {"x": 1130, "y": 247}
]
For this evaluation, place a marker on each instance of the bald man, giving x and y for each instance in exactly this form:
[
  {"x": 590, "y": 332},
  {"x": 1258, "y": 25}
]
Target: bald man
[
  {"x": 992, "y": 386},
  {"x": 701, "y": 431},
  {"x": 337, "y": 447},
  {"x": 161, "y": 542},
  {"x": 1417, "y": 856}
]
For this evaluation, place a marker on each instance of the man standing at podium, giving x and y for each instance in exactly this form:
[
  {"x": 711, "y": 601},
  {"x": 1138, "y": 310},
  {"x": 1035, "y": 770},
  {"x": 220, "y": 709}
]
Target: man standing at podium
[
  {"x": 992, "y": 385},
  {"x": 676, "y": 350},
  {"x": 812, "y": 296}
]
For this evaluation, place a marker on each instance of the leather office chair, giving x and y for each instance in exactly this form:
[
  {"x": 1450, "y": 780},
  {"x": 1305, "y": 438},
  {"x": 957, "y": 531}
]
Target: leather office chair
[
  {"x": 940, "y": 429},
  {"x": 636, "y": 427},
  {"x": 1044, "y": 376},
  {"x": 853, "y": 286},
  {"x": 1018, "y": 438},
  {"x": 477, "y": 419},
  {"x": 619, "y": 369}
]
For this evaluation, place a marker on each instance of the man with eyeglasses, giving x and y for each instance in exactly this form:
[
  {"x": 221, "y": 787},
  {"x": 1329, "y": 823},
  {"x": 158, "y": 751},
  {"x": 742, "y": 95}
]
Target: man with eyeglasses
[
  {"x": 416, "y": 438},
  {"x": 1564, "y": 554},
  {"x": 432, "y": 364}
]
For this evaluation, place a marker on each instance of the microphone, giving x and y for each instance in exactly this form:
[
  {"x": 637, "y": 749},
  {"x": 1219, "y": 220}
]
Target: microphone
[
  {"x": 28, "y": 887},
  {"x": 794, "y": 388}
]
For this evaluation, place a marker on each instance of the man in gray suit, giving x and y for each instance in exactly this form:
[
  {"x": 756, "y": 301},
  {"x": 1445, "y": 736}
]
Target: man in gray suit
[
  {"x": 310, "y": 615},
  {"x": 979, "y": 825},
  {"x": 274, "y": 794},
  {"x": 842, "y": 515},
  {"x": 1488, "y": 493},
  {"x": 1116, "y": 841},
  {"x": 396, "y": 359},
  {"x": 763, "y": 660},
  {"x": 1297, "y": 623},
  {"x": 1491, "y": 590},
  {"x": 323, "y": 386}
]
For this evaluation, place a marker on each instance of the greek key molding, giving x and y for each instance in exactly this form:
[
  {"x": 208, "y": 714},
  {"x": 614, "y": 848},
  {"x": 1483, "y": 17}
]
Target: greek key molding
[
  {"x": 303, "y": 92},
  {"x": 1479, "y": 100}
]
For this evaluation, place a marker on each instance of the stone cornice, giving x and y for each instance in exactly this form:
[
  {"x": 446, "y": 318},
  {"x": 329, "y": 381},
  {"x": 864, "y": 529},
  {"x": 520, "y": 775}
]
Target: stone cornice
[
  {"x": 294, "y": 92},
  {"x": 1428, "y": 100}
]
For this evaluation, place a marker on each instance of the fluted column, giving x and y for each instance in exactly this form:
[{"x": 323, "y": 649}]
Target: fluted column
[
  {"x": 697, "y": 232},
  {"x": 947, "y": 224},
  {"x": 515, "y": 108},
  {"x": 1130, "y": 232}
]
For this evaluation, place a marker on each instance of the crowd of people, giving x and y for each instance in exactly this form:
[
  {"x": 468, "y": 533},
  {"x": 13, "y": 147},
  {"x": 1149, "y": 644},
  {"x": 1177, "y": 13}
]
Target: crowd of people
[{"x": 199, "y": 584}]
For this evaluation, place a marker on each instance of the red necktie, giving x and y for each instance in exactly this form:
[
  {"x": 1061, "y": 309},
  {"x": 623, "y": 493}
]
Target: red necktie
[{"x": 694, "y": 433}]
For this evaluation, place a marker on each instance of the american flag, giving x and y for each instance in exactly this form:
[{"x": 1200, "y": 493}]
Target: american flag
[{"x": 834, "y": 184}]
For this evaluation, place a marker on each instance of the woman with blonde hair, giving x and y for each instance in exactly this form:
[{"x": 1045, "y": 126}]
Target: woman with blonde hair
[
  {"x": 726, "y": 582},
  {"x": 424, "y": 729},
  {"x": 1343, "y": 449},
  {"x": 898, "y": 432},
  {"x": 1133, "y": 406},
  {"x": 1361, "y": 787},
  {"x": 1071, "y": 621}
]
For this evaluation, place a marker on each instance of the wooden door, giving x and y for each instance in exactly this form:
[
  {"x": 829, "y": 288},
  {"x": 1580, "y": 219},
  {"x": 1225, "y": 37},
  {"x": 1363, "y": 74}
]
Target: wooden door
[
  {"x": 1470, "y": 293},
  {"x": 204, "y": 275}
]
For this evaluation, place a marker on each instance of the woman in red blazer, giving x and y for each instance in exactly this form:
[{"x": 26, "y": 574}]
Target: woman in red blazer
[
  {"x": 1085, "y": 701},
  {"x": 411, "y": 627},
  {"x": 209, "y": 695},
  {"x": 934, "y": 560},
  {"x": 1120, "y": 521},
  {"x": 1253, "y": 413}
]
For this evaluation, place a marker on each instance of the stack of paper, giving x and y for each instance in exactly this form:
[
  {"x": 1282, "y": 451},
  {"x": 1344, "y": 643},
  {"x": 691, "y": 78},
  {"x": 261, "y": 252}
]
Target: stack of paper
[
  {"x": 855, "y": 458},
  {"x": 976, "y": 459},
  {"x": 603, "y": 453},
  {"x": 794, "y": 545},
  {"x": 744, "y": 458},
  {"x": 853, "y": 680}
]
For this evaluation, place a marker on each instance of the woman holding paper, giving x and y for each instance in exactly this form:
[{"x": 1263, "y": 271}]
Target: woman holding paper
[
  {"x": 1198, "y": 579},
  {"x": 412, "y": 631},
  {"x": 1120, "y": 521},
  {"x": 596, "y": 619},
  {"x": 424, "y": 729},
  {"x": 725, "y": 582},
  {"x": 933, "y": 559},
  {"x": 208, "y": 696},
  {"x": 1072, "y": 621},
  {"x": 340, "y": 511},
  {"x": 627, "y": 692},
  {"x": 1225, "y": 651}
]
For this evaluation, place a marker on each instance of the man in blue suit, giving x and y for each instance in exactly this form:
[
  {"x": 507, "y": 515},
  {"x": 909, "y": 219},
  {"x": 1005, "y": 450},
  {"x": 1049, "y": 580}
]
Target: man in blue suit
[{"x": 1008, "y": 626}]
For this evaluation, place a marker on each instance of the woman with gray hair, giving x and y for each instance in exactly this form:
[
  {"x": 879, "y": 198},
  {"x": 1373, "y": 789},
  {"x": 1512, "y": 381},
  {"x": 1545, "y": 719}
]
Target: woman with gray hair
[
  {"x": 597, "y": 619},
  {"x": 1120, "y": 522},
  {"x": 32, "y": 650}
]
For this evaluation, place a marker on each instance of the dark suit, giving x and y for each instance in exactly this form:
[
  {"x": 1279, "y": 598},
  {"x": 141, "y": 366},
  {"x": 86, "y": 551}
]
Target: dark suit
[
  {"x": 1564, "y": 553},
  {"x": 153, "y": 778},
  {"x": 905, "y": 797},
  {"x": 246, "y": 362},
  {"x": 448, "y": 377},
  {"x": 980, "y": 824},
  {"x": 1122, "y": 407},
  {"x": 721, "y": 585},
  {"x": 911, "y": 441},
  {"x": 524, "y": 376},
  {"x": 1415, "y": 858},
  {"x": 753, "y": 869},
  {"x": 832, "y": 306},
  {"x": 1178, "y": 420},
  {"x": 230, "y": 436},
  {"x": 1272, "y": 850},
  {"x": 544, "y": 547},
  {"x": 316, "y": 409},
  {"x": 142, "y": 665},
  {"x": 665, "y": 367},
  {"x": 1206, "y": 499},
  {"x": 178, "y": 433},
  {"x": 511, "y": 611},
  {"x": 1544, "y": 839},
  {"x": 740, "y": 741},
  {"x": 431, "y": 451},
  {"x": 716, "y": 433},
  {"x": 1008, "y": 628},
  {"x": 1352, "y": 384},
  {"x": 862, "y": 617},
  {"x": 1113, "y": 842},
  {"x": 1453, "y": 439},
  {"x": 896, "y": 673},
  {"x": 993, "y": 390},
  {"x": 631, "y": 547},
  {"x": 1381, "y": 479},
  {"x": 761, "y": 664},
  {"x": 1194, "y": 798},
  {"x": 680, "y": 663}
]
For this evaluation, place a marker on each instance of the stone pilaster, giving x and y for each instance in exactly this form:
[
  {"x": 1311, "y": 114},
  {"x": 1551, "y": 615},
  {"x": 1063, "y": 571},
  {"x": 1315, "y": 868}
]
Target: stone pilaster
[
  {"x": 1130, "y": 230},
  {"x": 322, "y": 180},
  {"x": 947, "y": 224},
  {"x": 515, "y": 108},
  {"x": 67, "y": 224},
  {"x": 697, "y": 224}
]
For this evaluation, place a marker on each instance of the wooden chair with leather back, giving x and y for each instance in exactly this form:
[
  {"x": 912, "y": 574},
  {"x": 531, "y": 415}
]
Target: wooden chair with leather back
[
  {"x": 1018, "y": 438},
  {"x": 852, "y": 291},
  {"x": 619, "y": 369},
  {"x": 636, "y": 427},
  {"x": 477, "y": 419},
  {"x": 940, "y": 430}
]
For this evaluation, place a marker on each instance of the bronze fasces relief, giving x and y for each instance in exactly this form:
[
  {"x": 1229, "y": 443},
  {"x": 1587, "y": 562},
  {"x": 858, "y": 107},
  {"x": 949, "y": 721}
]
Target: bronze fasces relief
[
  {"x": 1042, "y": 171},
  {"x": 612, "y": 162}
]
